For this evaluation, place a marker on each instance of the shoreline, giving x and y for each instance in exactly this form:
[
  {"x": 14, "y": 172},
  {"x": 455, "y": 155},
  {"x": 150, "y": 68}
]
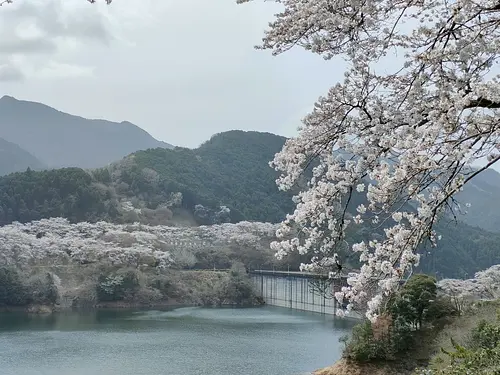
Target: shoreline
[{"x": 38, "y": 309}]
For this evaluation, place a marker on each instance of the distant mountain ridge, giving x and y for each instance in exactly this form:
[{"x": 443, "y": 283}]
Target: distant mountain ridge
[
  {"x": 14, "y": 159},
  {"x": 59, "y": 139}
]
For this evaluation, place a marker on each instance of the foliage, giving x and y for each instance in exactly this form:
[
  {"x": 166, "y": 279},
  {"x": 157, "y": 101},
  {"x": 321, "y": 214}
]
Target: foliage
[
  {"x": 481, "y": 355},
  {"x": 486, "y": 335},
  {"x": 227, "y": 178},
  {"x": 43, "y": 289},
  {"x": 394, "y": 334},
  {"x": 57, "y": 241},
  {"x": 117, "y": 286},
  {"x": 364, "y": 347},
  {"x": 14, "y": 159},
  {"x": 463, "y": 293},
  {"x": 12, "y": 290},
  {"x": 413, "y": 128},
  {"x": 17, "y": 290},
  {"x": 462, "y": 251},
  {"x": 412, "y": 305},
  {"x": 236, "y": 288}
]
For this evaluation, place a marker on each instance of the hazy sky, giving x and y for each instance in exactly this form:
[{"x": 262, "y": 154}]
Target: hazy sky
[{"x": 182, "y": 70}]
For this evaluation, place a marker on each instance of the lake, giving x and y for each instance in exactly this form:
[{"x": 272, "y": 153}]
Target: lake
[{"x": 192, "y": 340}]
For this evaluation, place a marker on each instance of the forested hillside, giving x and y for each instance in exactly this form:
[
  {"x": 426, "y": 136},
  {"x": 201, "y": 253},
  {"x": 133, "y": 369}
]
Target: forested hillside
[
  {"x": 231, "y": 169},
  {"x": 69, "y": 192},
  {"x": 226, "y": 179}
]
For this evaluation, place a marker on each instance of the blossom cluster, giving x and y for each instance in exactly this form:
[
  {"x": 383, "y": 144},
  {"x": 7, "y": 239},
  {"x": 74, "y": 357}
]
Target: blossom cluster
[
  {"x": 59, "y": 241},
  {"x": 418, "y": 105},
  {"x": 484, "y": 286}
]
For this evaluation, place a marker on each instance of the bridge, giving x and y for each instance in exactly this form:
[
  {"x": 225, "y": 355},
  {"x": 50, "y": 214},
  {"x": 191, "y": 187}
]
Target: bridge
[{"x": 299, "y": 290}]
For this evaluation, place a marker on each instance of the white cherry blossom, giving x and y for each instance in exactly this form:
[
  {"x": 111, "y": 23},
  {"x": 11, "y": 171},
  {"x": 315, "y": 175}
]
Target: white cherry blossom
[
  {"x": 58, "y": 241},
  {"x": 419, "y": 103}
]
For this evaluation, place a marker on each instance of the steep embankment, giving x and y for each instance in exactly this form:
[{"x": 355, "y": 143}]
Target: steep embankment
[{"x": 462, "y": 330}]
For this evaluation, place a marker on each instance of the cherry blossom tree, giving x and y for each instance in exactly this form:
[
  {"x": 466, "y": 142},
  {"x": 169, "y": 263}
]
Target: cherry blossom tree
[
  {"x": 484, "y": 286},
  {"x": 418, "y": 105},
  {"x": 56, "y": 241}
]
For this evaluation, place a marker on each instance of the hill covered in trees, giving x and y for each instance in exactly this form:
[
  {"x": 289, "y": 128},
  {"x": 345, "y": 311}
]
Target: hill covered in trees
[
  {"x": 231, "y": 169},
  {"x": 69, "y": 192},
  {"x": 226, "y": 179}
]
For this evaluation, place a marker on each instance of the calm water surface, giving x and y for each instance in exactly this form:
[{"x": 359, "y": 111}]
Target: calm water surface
[{"x": 194, "y": 341}]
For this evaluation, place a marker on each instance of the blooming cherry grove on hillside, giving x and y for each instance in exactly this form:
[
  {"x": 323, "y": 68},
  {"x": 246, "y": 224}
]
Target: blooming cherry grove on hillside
[
  {"x": 484, "y": 286},
  {"x": 57, "y": 241},
  {"x": 419, "y": 103}
]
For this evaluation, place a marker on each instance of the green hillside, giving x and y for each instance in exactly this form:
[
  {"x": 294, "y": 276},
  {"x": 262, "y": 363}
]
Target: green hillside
[
  {"x": 67, "y": 192},
  {"x": 231, "y": 169}
]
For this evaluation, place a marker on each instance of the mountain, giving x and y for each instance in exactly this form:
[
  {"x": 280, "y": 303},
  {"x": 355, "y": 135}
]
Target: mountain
[
  {"x": 482, "y": 193},
  {"x": 229, "y": 170},
  {"x": 479, "y": 203},
  {"x": 14, "y": 159},
  {"x": 62, "y": 140}
]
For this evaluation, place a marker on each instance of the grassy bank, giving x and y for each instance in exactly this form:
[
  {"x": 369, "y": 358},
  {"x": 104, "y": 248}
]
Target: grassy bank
[
  {"x": 420, "y": 333},
  {"x": 437, "y": 349}
]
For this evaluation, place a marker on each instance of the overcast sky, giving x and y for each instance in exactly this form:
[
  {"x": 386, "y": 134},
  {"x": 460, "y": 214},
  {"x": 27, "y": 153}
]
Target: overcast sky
[{"x": 182, "y": 70}]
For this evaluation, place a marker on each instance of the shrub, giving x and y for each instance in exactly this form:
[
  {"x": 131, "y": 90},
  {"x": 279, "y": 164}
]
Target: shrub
[
  {"x": 412, "y": 306},
  {"x": 236, "y": 288},
  {"x": 481, "y": 355},
  {"x": 486, "y": 335},
  {"x": 364, "y": 347},
  {"x": 12, "y": 291},
  {"x": 393, "y": 334},
  {"x": 117, "y": 286},
  {"x": 43, "y": 289},
  {"x": 442, "y": 308},
  {"x": 164, "y": 284}
]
